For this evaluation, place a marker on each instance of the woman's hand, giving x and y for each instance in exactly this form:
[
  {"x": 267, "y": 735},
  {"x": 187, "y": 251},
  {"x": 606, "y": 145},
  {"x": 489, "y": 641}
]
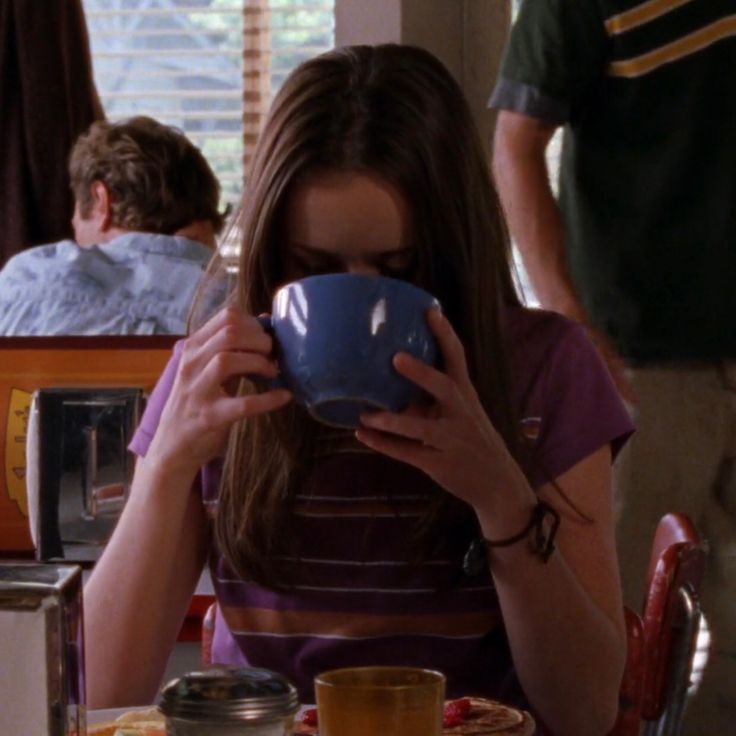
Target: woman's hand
[
  {"x": 452, "y": 440},
  {"x": 202, "y": 405}
]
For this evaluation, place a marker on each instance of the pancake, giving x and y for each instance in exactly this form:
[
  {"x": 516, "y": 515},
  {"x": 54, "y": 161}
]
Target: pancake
[
  {"x": 484, "y": 716},
  {"x": 127, "y": 729},
  {"x": 148, "y": 722}
]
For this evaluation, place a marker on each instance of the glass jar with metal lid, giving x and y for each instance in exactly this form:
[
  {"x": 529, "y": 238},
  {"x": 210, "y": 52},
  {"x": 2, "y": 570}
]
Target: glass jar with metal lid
[{"x": 229, "y": 701}]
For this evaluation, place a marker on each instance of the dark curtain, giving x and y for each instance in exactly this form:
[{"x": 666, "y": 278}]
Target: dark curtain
[{"x": 47, "y": 98}]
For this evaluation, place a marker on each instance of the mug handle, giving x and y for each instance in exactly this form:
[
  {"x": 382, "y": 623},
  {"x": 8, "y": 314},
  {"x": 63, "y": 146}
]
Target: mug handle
[{"x": 266, "y": 322}]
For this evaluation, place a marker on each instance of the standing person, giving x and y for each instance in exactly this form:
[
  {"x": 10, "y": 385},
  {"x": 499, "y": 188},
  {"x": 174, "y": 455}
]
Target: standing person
[
  {"x": 330, "y": 549},
  {"x": 145, "y": 220},
  {"x": 641, "y": 249},
  {"x": 47, "y": 99}
]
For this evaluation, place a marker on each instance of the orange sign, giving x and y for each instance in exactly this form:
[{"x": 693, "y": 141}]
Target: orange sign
[
  {"x": 27, "y": 364},
  {"x": 19, "y": 407}
]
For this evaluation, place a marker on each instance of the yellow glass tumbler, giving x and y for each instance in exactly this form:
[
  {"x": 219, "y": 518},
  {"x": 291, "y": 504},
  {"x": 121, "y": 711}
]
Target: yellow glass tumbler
[{"x": 380, "y": 701}]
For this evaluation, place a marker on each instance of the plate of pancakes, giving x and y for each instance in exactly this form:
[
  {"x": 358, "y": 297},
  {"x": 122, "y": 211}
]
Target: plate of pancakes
[{"x": 464, "y": 716}]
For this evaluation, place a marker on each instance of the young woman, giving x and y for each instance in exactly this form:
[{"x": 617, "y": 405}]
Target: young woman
[{"x": 329, "y": 548}]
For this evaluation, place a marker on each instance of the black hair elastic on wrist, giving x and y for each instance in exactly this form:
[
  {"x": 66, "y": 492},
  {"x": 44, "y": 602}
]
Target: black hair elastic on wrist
[{"x": 541, "y": 539}]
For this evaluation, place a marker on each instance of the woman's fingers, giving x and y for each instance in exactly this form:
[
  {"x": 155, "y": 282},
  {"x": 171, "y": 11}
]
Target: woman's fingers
[
  {"x": 451, "y": 386},
  {"x": 428, "y": 432},
  {"x": 203, "y": 403},
  {"x": 404, "y": 450},
  {"x": 213, "y": 325},
  {"x": 437, "y": 384},
  {"x": 234, "y": 333},
  {"x": 451, "y": 440},
  {"x": 241, "y": 335},
  {"x": 225, "y": 366},
  {"x": 453, "y": 352},
  {"x": 226, "y": 411},
  {"x": 195, "y": 433},
  {"x": 229, "y": 329}
]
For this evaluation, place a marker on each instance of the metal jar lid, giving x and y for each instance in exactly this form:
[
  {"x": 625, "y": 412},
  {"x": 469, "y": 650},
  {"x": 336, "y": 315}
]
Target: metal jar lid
[{"x": 230, "y": 695}]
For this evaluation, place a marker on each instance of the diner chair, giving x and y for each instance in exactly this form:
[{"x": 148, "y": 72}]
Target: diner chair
[
  {"x": 671, "y": 621},
  {"x": 661, "y": 642}
]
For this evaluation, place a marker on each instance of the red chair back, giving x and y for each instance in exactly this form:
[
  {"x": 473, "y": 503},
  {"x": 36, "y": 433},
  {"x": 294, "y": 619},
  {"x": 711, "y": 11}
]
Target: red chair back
[
  {"x": 671, "y": 529},
  {"x": 671, "y": 613},
  {"x": 661, "y": 642}
]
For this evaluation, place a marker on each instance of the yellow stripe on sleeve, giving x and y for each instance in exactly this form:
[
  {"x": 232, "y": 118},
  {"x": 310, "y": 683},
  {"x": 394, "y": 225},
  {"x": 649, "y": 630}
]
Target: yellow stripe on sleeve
[
  {"x": 640, "y": 15},
  {"x": 685, "y": 46}
]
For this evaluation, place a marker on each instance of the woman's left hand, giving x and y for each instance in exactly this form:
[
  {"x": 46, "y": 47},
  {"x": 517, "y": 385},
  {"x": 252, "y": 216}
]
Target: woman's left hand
[{"x": 451, "y": 439}]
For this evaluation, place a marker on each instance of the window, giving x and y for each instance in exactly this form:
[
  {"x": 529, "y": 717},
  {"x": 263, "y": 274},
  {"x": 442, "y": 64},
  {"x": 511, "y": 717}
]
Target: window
[{"x": 209, "y": 67}]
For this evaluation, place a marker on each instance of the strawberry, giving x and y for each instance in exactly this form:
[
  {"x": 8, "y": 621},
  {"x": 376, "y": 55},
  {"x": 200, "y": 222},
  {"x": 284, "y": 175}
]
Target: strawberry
[
  {"x": 456, "y": 711},
  {"x": 309, "y": 717}
]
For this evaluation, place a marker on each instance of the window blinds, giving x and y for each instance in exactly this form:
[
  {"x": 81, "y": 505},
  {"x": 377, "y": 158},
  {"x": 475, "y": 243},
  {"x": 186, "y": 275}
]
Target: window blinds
[{"x": 209, "y": 67}]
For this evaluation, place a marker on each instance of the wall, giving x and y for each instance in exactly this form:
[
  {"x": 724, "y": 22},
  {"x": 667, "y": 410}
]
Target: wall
[{"x": 467, "y": 35}]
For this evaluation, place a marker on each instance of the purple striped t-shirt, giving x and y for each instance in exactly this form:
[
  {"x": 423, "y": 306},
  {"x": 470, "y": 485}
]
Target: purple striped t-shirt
[{"x": 357, "y": 594}]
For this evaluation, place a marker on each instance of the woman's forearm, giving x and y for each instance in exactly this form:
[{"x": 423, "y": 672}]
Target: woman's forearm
[
  {"x": 568, "y": 654},
  {"x": 140, "y": 589},
  {"x": 564, "y": 618}
]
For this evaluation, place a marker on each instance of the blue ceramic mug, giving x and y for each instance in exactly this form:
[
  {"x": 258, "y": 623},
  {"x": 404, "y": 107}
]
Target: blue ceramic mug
[{"x": 335, "y": 336}]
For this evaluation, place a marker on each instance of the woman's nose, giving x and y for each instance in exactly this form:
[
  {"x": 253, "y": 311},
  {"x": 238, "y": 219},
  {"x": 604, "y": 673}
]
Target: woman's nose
[{"x": 361, "y": 267}]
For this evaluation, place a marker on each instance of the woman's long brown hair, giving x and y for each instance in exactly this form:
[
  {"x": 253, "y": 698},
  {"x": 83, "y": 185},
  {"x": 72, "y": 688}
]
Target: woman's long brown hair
[{"x": 394, "y": 112}]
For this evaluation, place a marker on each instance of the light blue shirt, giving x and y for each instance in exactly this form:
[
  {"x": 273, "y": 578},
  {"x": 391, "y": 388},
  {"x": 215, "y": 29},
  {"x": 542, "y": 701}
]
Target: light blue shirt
[{"x": 137, "y": 284}]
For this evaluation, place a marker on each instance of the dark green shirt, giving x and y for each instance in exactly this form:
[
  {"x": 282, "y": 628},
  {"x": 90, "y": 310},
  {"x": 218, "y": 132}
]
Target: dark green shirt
[{"x": 646, "y": 91}]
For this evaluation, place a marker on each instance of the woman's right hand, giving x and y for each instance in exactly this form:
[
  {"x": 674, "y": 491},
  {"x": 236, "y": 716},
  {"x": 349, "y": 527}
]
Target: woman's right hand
[{"x": 201, "y": 407}]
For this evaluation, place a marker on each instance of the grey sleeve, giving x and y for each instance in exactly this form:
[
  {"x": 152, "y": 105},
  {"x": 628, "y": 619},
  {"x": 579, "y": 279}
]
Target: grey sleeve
[
  {"x": 528, "y": 100},
  {"x": 555, "y": 54}
]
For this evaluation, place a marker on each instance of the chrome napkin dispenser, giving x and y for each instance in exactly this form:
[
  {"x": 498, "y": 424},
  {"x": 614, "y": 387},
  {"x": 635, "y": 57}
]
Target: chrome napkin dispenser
[
  {"x": 78, "y": 467},
  {"x": 42, "y": 689}
]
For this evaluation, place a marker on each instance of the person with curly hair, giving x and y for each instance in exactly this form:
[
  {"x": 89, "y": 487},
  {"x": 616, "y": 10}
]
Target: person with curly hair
[{"x": 145, "y": 220}]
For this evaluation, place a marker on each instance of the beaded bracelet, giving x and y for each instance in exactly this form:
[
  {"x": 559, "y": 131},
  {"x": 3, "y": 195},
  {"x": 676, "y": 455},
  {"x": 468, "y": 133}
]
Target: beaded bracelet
[{"x": 541, "y": 539}]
